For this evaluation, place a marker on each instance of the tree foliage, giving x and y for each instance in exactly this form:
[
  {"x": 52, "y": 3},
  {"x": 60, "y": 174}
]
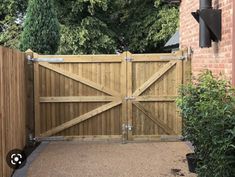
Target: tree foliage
[
  {"x": 140, "y": 26},
  {"x": 41, "y": 28},
  {"x": 104, "y": 26},
  {"x": 147, "y": 27},
  {"x": 84, "y": 39},
  {"x": 11, "y": 17}
]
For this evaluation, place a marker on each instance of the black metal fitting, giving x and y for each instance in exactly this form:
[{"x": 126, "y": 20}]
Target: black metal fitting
[{"x": 209, "y": 20}]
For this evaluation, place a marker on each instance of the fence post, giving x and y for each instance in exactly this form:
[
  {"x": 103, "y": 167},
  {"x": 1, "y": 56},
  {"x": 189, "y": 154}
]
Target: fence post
[
  {"x": 37, "y": 126},
  {"x": 30, "y": 95},
  {"x": 187, "y": 74}
]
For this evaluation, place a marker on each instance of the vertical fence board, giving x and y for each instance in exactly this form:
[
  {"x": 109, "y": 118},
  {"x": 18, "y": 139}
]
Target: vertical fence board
[{"x": 2, "y": 132}]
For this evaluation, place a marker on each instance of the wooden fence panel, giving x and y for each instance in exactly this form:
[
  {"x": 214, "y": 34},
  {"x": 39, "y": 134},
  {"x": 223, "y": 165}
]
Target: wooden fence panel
[
  {"x": 94, "y": 95},
  {"x": 12, "y": 104}
]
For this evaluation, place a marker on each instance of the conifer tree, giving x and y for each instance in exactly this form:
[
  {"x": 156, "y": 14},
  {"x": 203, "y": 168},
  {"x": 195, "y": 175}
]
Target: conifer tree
[{"x": 41, "y": 28}]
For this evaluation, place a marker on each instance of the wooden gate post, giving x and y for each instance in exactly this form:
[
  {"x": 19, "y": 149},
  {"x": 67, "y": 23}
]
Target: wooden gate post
[
  {"x": 129, "y": 94},
  {"x": 187, "y": 73},
  {"x": 36, "y": 97},
  {"x": 124, "y": 120},
  {"x": 29, "y": 93}
]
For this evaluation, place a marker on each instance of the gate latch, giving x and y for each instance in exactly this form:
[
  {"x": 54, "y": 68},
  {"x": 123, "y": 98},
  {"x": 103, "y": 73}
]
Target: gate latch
[
  {"x": 128, "y": 127},
  {"x": 129, "y": 98},
  {"x": 128, "y": 59}
]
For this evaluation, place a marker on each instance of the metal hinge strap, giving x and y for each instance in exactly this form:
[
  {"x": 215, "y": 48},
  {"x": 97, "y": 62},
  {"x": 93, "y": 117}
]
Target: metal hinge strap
[{"x": 50, "y": 60}]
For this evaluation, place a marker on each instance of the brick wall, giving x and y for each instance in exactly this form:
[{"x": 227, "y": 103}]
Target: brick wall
[{"x": 218, "y": 58}]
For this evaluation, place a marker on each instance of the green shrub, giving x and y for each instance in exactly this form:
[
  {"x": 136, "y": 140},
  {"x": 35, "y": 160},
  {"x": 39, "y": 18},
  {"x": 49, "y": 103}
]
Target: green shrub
[{"x": 208, "y": 108}]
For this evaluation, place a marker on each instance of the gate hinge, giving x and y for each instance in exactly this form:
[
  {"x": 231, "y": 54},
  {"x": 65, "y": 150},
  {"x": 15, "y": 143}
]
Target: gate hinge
[
  {"x": 50, "y": 60},
  {"x": 182, "y": 58},
  {"x": 129, "y": 98},
  {"x": 128, "y": 59}
]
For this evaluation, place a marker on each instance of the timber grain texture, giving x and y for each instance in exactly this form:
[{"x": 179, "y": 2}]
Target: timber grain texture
[
  {"x": 94, "y": 95},
  {"x": 12, "y": 104}
]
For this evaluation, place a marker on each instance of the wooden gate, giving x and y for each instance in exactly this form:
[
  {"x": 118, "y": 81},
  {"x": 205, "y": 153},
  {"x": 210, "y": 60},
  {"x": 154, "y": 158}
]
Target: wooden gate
[{"x": 128, "y": 96}]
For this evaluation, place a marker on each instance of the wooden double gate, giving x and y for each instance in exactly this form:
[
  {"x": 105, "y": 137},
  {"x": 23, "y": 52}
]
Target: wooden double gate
[{"x": 126, "y": 96}]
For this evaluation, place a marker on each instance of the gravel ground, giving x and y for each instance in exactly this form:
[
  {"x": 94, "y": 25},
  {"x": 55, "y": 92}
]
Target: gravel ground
[{"x": 76, "y": 159}]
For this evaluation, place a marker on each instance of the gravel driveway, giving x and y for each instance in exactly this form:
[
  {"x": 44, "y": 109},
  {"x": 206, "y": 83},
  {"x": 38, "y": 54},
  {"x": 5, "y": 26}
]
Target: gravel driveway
[{"x": 76, "y": 159}]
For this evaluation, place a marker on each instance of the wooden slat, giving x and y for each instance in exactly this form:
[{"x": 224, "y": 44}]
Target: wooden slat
[
  {"x": 112, "y": 85},
  {"x": 153, "y": 98},
  {"x": 154, "y": 78},
  {"x": 81, "y": 125},
  {"x": 87, "y": 138},
  {"x": 48, "y": 88},
  {"x": 103, "y": 116},
  {"x": 80, "y": 79},
  {"x": 168, "y": 138},
  {"x": 99, "y": 117},
  {"x": 154, "y": 119},
  {"x": 53, "y": 106},
  {"x": 71, "y": 92},
  {"x": 2, "y": 126},
  {"x": 81, "y": 118},
  {"x": 147, "y": 138}
]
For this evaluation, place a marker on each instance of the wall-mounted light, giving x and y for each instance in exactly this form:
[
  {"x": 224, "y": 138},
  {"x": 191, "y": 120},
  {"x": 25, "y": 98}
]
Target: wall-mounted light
[{"x": 209, "y": 20}]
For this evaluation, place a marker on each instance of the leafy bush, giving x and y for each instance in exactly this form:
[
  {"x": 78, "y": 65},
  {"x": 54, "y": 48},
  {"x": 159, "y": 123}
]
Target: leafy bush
[{"x": 208, "y": 109}]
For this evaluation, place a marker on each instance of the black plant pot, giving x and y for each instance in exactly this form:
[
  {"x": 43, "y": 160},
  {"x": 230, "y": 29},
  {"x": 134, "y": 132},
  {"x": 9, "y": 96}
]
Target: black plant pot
[{"x": 192, "y": 162}]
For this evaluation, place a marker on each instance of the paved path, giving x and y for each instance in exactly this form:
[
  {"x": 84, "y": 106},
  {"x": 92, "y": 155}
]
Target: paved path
[{"x": 76, "y": 159}]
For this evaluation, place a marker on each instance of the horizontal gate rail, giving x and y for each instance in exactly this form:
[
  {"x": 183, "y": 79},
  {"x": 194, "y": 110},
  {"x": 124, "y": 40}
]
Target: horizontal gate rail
[
  {"x": 74, "y": 99},
  {"x": 155, "y": 98}
]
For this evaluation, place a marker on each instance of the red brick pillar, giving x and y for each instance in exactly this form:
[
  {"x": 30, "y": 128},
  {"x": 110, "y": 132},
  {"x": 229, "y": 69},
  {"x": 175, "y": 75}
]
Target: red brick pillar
[{"x": 233, "y": 45}]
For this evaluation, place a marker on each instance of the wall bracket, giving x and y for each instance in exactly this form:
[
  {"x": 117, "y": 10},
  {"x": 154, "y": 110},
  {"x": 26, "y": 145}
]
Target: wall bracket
[
  {"x": 212, "y": 19},
  {"x": 210, "y": 24}
]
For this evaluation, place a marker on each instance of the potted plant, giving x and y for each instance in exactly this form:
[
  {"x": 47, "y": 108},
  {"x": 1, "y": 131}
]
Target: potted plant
[
  {"x": 207, "y": 106},
  {"x": 192, "y": 162}
]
